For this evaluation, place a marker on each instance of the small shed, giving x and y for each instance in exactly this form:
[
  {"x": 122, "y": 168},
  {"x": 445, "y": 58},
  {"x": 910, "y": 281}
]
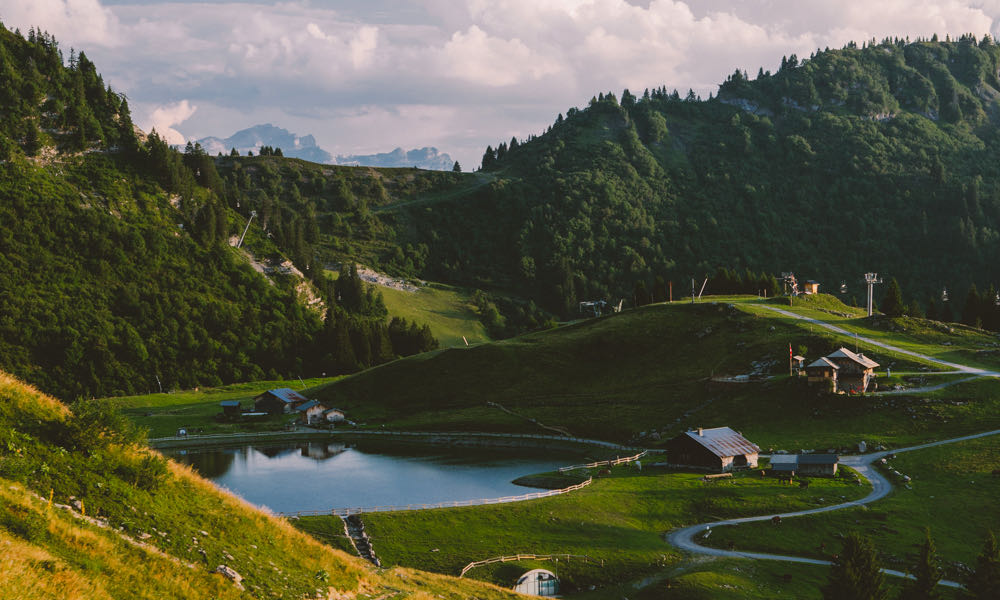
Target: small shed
[
  {"x": 230, "y": 408},
  {"x": 784, "y": 463},
  {"x": 810, "y": 287},
  {"x": 718, "y": 449},
  {"x": 334, "y": 415},
  {"x": 818, "y": 464},
  {"x": 277, "y": 401},
  {"x": 311, "y": 411},
  {"x": 798, "y": 363},
  {"x": 538, "y": 582}
]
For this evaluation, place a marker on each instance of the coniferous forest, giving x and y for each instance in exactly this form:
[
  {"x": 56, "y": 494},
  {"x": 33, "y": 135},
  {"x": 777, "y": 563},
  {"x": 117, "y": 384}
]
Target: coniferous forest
[{"x": 119, "y": 272}]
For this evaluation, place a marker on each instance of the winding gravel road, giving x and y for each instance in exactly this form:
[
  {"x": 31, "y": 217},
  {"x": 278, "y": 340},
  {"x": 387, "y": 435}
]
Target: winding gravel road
[{"x": 867, "y": 340}]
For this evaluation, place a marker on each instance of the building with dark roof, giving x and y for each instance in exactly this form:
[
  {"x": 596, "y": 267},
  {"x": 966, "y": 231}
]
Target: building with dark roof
[
  {"x": 824, "y": 465},
  {"x": 230, "y": 408},
  {"x": 719, "y": 449},
  {"x": 277, "y": 401},
  {"x": 848, "y": 371}
]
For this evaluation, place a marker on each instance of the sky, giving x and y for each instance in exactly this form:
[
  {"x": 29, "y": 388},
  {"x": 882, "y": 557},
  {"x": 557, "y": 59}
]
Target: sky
[{"x": 367, "y": 77}]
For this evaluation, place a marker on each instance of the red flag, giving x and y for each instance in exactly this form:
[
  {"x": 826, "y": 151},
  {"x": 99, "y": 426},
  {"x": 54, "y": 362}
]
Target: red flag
[{"x": 789, "y": 350}]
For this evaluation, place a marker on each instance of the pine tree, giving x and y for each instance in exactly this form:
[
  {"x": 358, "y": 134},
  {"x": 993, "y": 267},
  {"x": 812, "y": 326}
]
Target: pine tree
[
  {"x": 892, "y": 304},
  {"x": 456, "y": 167},
  {"x": 856, "y": 574},
  {"x": 985, "y": 579},
  {"x": 970, "y": 312},
  {"x": 927, "y": 573}
]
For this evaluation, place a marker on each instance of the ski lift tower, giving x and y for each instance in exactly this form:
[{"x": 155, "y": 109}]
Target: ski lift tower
[{"x": 871, "y": 279}]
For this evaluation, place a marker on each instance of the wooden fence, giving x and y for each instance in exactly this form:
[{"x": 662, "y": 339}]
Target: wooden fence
[
  {"x": 344, "y": 512},
  {"x": 604, "y": 463},
  {"x": 517, "y": 557}
]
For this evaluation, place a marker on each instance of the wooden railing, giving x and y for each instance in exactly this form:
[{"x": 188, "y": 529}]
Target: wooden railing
[
  {"x": 517, "y": 557},
  {"x": 344, "y": 512},
  {"x": 604, "y": 463}
]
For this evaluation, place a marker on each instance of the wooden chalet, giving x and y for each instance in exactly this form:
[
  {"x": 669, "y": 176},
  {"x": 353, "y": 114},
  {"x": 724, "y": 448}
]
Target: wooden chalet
[
  {"x": 278, "y": 401},
  {"x": 848, "y": 371},
  {"x": 311, "y": 412},
  {"x": 810, "y": 287},
  {"x": 719, "y": 449}
]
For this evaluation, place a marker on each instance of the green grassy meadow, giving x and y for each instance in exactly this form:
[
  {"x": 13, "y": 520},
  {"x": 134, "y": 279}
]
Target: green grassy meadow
[
  {"x": 619, "y": 519},
  {"x": 446, "y": 310},
  {"x": 163, "y": 414},
  {"x": 651, "y": 371},
  {"x": 953, "y": 492}
]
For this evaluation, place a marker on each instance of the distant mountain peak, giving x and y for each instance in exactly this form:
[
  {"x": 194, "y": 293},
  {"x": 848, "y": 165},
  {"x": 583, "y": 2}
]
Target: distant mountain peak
[
  {"x": 429, "y": 158},
  {"x": 304, "y": 147},
  {"x": 253, "y": 138}
]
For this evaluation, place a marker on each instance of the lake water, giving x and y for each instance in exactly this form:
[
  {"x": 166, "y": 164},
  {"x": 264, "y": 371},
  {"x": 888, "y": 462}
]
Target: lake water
[{"x": 302, "y": 476}]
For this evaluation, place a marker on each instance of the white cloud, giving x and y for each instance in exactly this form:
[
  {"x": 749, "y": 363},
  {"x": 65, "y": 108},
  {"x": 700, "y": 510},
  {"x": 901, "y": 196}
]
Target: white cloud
[
  {"x": 164, "y": 118},
  {"x": 84, "y": 21},
  {"x": 475, "y": 68}
]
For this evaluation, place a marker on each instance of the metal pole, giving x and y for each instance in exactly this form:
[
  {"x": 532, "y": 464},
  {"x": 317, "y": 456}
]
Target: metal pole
[{"x": 253, "y": 214}]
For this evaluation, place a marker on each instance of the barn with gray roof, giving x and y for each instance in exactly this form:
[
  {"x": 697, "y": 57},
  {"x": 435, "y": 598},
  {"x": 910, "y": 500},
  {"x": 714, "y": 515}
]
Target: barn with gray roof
[{"x": 718, "y": 449}]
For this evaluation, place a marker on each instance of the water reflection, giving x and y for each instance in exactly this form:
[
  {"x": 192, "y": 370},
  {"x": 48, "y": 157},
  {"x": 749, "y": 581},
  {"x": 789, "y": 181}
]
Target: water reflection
[{"x": 320, "y": 475}]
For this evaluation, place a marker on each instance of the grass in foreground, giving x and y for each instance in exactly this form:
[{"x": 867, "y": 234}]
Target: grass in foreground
[
  {"x": 618, "y": 519},
  {"x": 953, "y": 492},
  {"x": 187, "y": 526}
]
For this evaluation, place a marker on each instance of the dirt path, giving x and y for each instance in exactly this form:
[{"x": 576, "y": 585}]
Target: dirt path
[
  {"x": 834, "y": 328},
  {"x": 684, "y": 538}
]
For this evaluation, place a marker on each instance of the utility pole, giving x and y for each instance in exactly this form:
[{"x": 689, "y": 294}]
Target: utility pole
[
  {"x": 871, "y": 279},
  {"x": 253, "y": 214}
]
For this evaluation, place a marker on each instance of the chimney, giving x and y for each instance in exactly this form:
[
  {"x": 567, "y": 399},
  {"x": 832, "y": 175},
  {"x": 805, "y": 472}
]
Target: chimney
[{"x": 700, "y": 434}]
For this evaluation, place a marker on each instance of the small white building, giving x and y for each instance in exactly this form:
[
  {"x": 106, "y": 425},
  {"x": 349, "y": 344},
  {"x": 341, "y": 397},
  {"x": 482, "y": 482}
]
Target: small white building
[
  {"x": 311, "y": 412},
  {"x": 334, "y": 415}
]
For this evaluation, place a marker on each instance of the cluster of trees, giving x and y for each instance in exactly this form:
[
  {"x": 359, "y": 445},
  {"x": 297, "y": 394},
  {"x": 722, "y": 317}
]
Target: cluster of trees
[
  {"x": 976, "y": 310},
  {"x": 843, "y": 159},
  {"x": 118, "y": 277},
  {"x": 857, "y": 575}
]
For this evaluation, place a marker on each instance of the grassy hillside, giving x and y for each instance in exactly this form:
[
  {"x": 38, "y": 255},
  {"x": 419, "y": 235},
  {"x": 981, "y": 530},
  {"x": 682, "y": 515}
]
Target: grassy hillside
[
  {"x": 651, "y": 370},
  {"x": 125, "y": 523},
  {"x": 448, "y": 311}
]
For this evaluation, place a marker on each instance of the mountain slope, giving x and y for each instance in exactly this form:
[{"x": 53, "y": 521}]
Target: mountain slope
[
  {"x": 854, "y": 160},
  {"x": 87, "y": 513}
]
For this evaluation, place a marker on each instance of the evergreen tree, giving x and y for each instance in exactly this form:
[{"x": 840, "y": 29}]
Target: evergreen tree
[
  {"x": 927, "y": 573},
  {"x": 971, "y": 310},
  {"x": 856, "y": 574},
  {"x": 892, "y": 304},
  {"x": 984, "y": 581},
  {"x": 457, "y": 168}
]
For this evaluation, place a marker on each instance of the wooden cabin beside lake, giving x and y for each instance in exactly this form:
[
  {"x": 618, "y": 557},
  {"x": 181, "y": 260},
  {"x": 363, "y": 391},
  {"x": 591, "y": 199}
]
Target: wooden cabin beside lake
[
  {"x": 278, "y": 401},
  {"x": 718, "y": 449}
]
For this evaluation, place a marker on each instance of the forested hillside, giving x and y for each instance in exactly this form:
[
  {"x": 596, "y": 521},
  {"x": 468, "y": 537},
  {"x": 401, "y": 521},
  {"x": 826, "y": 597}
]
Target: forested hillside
[
  {"x": 879, "y": 158},
  {"x": 116, "y": 274}
]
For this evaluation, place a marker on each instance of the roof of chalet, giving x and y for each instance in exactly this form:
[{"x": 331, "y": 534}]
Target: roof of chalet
[
  {"x": 822, "y": 362},
  {"x": 818, "y": 459},
  {"x": 306, "y": 406},
  {"x": 861, "y": 359},
  {"x": 229, "y": 403},
  {"x": 330, "y": 410},
  {"x": 287, "y": 395},
  {"x": 723, "y": 441},
  {"x": 797, "y": 357}
]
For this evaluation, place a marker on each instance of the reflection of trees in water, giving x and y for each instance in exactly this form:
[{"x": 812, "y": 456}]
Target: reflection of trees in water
[
  {"x": 275, "y": 451},
  {"x": 209, "y": 464}
]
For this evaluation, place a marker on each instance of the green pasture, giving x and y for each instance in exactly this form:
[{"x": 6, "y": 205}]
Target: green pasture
[{"x": 448, "y": 311}]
